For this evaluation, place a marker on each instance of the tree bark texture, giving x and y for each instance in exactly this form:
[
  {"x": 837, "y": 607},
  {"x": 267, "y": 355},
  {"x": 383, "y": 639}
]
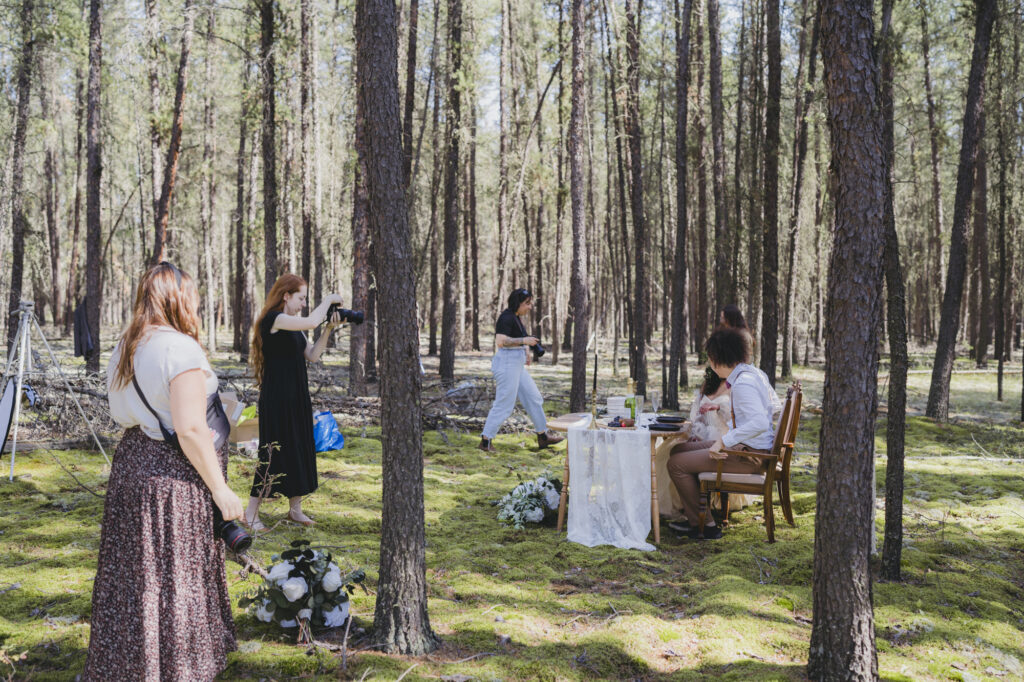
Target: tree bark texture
[
  {"x": 359, "y": 336},
  {"x": 578, "y": 295},
  {"x": 18, "y": 220},
  {"x": 804, "y": 94},
  {"x": 449, "y": 300},
  {"x": 770, "y": 235},
  {"x": 410, "y": 90},
  {"x": 401, "y": 623},
  {"x": 897, "y": 318},
  {"x": 269, "y": 144},
  {"x": 725, "y": 288},
  {"x": 982, "y": 313},
  {"x": 636, "y": 195},
  {"x": 307, "y": 102},
  {"x": 949, "y": 323},
  {"x": 843, "y": 636},
  {"x": 170, "y": 173},
  {"x": 934, "y": 139},
  {"x": 93, "y": 174},
  {"x": 677, "y": 376}
]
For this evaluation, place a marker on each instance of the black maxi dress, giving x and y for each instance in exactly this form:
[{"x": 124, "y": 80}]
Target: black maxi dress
[{"x": 287, "y": 451}]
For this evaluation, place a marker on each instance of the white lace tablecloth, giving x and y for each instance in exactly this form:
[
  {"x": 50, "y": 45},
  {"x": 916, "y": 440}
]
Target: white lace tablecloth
[{"x": 610, "y": 487}]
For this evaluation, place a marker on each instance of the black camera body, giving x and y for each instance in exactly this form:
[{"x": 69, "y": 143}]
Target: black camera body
[
  {"x": 353, "y": 316},
  {"x": 236, "y": 539},
  {"x": 538, "y": 351}
]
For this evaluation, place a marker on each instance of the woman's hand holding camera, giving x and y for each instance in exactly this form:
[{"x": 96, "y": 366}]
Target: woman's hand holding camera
[
  {"x": 228, "y": 503},
  {"x": 530, "y": 340}
]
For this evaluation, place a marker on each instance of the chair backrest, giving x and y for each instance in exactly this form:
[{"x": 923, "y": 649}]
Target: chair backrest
[
  {"x": 783, "y": 429},
  {"x": 796, "y": 397}
]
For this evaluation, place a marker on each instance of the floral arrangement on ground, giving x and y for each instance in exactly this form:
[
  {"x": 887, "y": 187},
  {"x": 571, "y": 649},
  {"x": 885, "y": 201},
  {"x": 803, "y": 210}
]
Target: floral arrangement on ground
[
  {"x": 530, "y": 501},
  {"x": 305, "y": 588}
]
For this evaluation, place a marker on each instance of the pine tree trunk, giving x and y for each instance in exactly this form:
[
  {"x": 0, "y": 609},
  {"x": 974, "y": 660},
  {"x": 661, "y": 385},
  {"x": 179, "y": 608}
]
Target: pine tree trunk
[
  {"x": 410, "y": 90},
  {"x": 209, "y": 192},
  {"x": 170, "y": 173},
  {"x": 51, "y": 199},
  {"x": 897, "y": 317},
  {"x": 579, "y": 296},
  {"x": 934, "y": 138},
  {"x": 307, "y": 102},
  {"x": 76, "y": 221},
  {"x": 949, "y": 324},
  {"x": 401, "y": 623},
  {"x": 359, "y": 336},
  {"x": 504, "y": 104},
  {"x": 770, "y": 263},
  {"x": 636, "y": 195},
  {"x": 983, "y": 312},
  {"x": 677, "y": 376},
  {"x": 241, "y": 330},
  {"x": 453, "y": 127},
  {"x": 1001, "y": 308},
  {"x": 19, "y": 223},
  {"x": 804, "y": 94},
  {"x": 433, "y": 239},
  {"x": 156, "y": 142},
  {"x": 725, "y": 290},
  {"x": 269, "y": 144},
  {"x": 843, "y": 635},
  {"x": 700, "y": 150},
  {"x": 94, "y": 175}
]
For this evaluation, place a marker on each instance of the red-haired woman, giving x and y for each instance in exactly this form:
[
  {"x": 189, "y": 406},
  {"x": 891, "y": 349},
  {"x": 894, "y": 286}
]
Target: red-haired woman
[
  {"x": 160, "y": 607},
  {"x": 279, "y": 354}
]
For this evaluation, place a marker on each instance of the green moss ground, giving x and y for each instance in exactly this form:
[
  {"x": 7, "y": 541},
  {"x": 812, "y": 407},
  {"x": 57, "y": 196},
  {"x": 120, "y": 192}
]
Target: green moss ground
[{"x": 738, "y": 609}]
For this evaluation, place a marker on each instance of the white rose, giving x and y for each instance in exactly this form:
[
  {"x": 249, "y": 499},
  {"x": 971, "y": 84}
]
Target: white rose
[
  {"x": 289, "y": 623},
  {"x": 293, "y": 588},
  {"x": 551, "y": 497},
  {"x": 263, "y": 614},
  {"x": 280, "y": 572},
  {"x": 534, "y": 515},
  {"x": 336, "y": 616},
  {"x": 305, "y": 614},
  {"x": 332, "y": 580}
]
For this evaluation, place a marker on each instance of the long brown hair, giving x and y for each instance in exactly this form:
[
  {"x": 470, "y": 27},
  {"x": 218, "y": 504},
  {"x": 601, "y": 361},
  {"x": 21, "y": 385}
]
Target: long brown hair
[
  {"x": 285, "y": 284},
  {"x": 165, "y": 296}
]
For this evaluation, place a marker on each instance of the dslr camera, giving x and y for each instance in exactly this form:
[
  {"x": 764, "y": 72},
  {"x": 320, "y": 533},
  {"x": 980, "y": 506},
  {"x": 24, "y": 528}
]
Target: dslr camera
[
  {"x": 538, "y": 351},
  {"x": 353, "y": 316},
  {"x": 236, "y": 539}
]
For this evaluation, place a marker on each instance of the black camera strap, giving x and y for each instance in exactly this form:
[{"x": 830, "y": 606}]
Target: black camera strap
[{"x": 170, "y": 437}]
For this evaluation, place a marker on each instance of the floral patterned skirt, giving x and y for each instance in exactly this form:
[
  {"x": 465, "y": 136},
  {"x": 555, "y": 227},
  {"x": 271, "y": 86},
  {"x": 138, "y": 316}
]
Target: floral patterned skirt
[{"x": 160, "y": 606}]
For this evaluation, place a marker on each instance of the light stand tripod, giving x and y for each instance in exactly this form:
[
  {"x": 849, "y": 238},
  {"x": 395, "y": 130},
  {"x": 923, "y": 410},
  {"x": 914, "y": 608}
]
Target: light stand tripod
[{"x": 21, "y": 351}]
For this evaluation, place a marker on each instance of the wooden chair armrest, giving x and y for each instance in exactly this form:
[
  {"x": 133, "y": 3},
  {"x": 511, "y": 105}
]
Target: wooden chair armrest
[{"x": 751, "y": 453}]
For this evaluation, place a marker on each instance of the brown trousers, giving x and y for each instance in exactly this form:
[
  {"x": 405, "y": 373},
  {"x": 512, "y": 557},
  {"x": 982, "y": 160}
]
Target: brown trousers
[{"x": 689, "y": 460}]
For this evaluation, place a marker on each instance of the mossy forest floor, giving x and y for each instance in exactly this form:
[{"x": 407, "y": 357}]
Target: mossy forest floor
[{"x": 528, "y": 605}]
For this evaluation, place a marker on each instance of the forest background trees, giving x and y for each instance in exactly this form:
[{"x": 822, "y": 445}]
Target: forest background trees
[{"x": 226, "y": 137}]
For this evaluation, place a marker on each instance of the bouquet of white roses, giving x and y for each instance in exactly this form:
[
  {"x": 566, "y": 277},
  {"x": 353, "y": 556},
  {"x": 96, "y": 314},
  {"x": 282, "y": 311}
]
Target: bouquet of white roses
[
  {"x": 305, "y": 588},
  {"x": 529, "y": 501}
]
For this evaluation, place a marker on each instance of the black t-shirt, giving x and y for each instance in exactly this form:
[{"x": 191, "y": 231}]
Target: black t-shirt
[{"x": 510, "y": 325}]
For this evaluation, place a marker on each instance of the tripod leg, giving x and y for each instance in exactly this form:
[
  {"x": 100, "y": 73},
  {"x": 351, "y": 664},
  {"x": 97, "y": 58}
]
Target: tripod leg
[{"x": 67, "y": 385}]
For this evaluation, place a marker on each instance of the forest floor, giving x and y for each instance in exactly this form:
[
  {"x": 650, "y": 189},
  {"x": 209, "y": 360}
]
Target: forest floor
[{"x": 529, "y": 605}]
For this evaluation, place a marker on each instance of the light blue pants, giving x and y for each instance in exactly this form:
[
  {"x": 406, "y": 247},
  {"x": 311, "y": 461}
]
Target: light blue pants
[{"x": 513, "y": 381}]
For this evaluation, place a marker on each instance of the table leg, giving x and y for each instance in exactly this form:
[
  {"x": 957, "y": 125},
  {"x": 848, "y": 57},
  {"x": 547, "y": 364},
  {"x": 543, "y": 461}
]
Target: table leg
[
  {"x": 563, "y": 497},
  {"x": 655, "y": 512}
]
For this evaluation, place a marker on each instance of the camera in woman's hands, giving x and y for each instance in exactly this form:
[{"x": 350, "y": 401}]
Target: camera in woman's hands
[
  {"x": 236, "y": 539},
  {"x": 538, "y": 351},
  {"x": 346, "y": 315}
]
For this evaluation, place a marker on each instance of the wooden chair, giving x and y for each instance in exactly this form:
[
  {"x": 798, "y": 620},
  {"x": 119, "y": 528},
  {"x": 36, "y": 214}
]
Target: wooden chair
[{"x": 776, "y": 473}]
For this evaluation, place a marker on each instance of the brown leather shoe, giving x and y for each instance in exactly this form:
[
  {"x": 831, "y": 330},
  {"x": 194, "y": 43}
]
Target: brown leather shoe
[
  {"x": 486, "y": 445},
  {"x": 548, "y": 438}
]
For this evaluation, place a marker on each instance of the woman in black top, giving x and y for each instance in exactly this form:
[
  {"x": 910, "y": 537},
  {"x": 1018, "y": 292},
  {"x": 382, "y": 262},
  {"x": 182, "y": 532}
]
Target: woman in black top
[
  {"x": 279, "y": 354},
  {"x": 510, "y": 375}
]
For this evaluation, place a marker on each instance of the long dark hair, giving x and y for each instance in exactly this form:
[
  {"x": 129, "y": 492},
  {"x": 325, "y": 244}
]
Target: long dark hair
[
  {"x": 516, "y": 298},
  {"x": 711, "y": 382},
  {"x": 733, "y": 317}
]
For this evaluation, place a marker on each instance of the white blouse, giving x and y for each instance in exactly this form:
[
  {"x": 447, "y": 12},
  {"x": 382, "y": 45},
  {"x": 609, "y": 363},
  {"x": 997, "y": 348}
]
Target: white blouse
[
  {"x": 161, "y": 355},
  {"x": 714, "y": 423}
]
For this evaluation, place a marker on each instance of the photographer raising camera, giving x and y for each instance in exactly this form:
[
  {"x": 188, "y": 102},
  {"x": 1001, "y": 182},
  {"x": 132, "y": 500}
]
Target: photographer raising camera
[
  {"x": 511, "y": 343},
  {"x": 279, "y": 353}
]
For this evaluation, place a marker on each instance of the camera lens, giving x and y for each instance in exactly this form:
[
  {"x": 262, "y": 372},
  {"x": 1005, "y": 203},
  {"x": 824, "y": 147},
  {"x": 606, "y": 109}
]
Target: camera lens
[
  {"x": 538, "y": 351},
  {"x": 236, "y": 539}
]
